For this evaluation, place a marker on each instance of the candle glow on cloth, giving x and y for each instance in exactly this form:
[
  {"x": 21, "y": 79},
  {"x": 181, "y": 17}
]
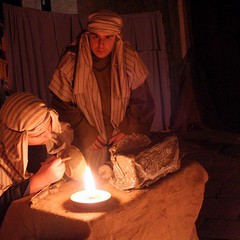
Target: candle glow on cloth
[{"x": 90, "y": 195}]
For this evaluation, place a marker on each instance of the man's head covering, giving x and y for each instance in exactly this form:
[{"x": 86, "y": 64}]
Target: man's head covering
[
  {"x": 21, "y": 114},
  {"x": 105, "y": 21}
]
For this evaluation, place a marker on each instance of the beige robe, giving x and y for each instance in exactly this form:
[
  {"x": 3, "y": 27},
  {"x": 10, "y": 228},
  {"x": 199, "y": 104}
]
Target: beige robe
[{"x": 80, "y": 109}]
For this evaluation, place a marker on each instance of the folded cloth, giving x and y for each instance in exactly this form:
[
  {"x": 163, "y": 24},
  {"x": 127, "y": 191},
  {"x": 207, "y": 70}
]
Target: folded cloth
[{"x": 52, "y": 188}]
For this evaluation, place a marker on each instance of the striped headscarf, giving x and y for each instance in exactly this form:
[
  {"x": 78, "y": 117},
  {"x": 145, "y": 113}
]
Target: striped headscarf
[
  {"x": 107, "y": 22},
  {"x": 21, "y": 114}
]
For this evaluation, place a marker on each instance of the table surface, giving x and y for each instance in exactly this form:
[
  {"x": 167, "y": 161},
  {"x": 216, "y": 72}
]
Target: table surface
[{"x": 167, "y": 209}]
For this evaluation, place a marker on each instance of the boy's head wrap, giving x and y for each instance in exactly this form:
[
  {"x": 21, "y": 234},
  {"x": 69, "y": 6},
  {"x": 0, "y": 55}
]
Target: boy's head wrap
[
  {"x": 21, "y": 114},
  {"x": 105, "y": 21}
]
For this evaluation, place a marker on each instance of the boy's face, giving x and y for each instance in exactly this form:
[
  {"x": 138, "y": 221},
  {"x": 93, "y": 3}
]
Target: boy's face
[
  {"x": 42, "y": 137},
  {"x": 101, "y": 44}
]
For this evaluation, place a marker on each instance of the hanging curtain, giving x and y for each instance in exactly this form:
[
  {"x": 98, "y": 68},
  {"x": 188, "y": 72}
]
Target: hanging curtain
[
  {"x": 36, "y": 39},
  {"x": 146, "y": 33}
]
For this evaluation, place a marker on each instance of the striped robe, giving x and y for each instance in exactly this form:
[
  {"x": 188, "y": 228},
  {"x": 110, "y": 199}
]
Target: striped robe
[{"x": 102, "y": 100}]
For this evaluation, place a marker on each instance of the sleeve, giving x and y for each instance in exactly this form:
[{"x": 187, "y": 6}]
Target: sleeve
[
  {"x": 84, "y": 133},
  {"x": 136, "y": 69},
  {"x": 140, "y": 111},
  {"x": 12, "y": 193}
]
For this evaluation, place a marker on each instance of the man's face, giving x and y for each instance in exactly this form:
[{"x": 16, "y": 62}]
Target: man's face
[
  {"x": 42, "y": 137},
  {"x": 101, "y": 44}
]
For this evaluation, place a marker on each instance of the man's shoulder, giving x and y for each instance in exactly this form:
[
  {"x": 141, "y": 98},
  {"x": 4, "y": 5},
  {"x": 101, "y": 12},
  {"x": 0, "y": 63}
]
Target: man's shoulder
[
  {"x": 129, "y": 53},
  {"x": 127, "y": 47}
]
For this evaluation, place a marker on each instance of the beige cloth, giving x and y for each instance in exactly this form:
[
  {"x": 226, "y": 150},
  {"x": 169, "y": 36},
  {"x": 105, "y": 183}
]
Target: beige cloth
[
  {"x": 167, "y": 210},
  {"x": 105, "y": 21}
]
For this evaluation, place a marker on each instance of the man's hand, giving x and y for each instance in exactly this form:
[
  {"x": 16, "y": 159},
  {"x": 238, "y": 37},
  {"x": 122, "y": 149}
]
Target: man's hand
[
  {"x": 116, "y": 138},
  {"x": 98, "y": 144},
  {"x": 51, "y": 171}
]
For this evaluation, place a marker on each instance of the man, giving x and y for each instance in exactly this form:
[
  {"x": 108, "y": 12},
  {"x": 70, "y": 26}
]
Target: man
[
  {"x": 26, "y": 121},
  {"x": 100, "y": 88}
]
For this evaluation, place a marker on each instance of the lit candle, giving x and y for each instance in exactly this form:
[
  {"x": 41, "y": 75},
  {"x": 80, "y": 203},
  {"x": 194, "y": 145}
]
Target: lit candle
[{"x": 90, "y": 195}]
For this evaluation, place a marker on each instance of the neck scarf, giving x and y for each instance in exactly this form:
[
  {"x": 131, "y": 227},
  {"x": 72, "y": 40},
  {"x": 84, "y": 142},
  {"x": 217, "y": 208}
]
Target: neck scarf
[{"x": 85, "y": 84}]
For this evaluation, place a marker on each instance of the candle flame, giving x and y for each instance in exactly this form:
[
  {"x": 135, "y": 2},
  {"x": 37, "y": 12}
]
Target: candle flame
[
  {"x": 90, "y": 195},
  {"x": 89, "y": 183}
]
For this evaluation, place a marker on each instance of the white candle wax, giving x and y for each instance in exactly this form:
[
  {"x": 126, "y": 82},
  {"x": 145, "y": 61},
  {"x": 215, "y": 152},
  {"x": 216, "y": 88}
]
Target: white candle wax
[{"x": 89, "y": 197}]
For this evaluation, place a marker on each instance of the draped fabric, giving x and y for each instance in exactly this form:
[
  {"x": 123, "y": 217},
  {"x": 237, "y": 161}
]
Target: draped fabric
[{"x": 35, "y": 40}]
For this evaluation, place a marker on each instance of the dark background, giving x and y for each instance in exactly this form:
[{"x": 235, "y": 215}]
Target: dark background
[{"x": 215, "y": 37}]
